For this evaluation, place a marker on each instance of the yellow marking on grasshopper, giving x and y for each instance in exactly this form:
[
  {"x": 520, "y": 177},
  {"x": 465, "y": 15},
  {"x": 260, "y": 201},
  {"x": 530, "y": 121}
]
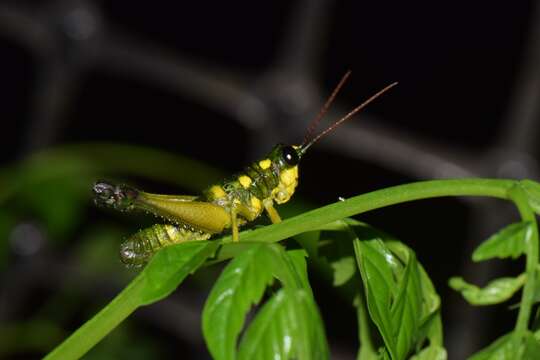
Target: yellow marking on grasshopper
[
  {"x": 245, "y": 181},
  {"x": 218, "y": 191},
  {"x": 265, "y": 164},
  {"x": 256, "y": 204}
]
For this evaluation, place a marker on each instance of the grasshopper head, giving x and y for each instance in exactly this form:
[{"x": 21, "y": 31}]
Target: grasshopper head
[
  {"x": 285, "y": 160},
  {"x": 119, "y": 197}
]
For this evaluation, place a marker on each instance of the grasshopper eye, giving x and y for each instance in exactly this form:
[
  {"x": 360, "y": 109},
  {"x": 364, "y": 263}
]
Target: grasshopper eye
[{"x": 290, "y": 156}]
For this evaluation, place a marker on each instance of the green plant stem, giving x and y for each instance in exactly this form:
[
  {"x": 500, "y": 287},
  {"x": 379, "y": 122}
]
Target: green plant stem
[
  {"x": 382, "y": 198},
  {"x": 317, "y": 218},
  {"x": 531, "y": 242},
  {"x": 88, "y": 335}
]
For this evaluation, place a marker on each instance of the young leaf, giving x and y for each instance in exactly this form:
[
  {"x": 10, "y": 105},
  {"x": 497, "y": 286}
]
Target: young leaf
[
  {"x": 531, "y": 347},
  {"x": 379, "y": 288},
  {"x": 287, "y": 327},
  {"x": 344, "y": 270},
  {"x": 432, "y": 330},
  {"x": 170, "y": 266},
  {"x": 496, "y": 291},
  {"x": 432, "y": 352},
  {"x": 242, "y": 284},
  {"x": 532, "y": 190},
  {"x": 536, "y": 297},
  {"x": 431, "y": 301},
  {"x": 336, "y": 249},
  {"x": 298, "y": 260},
  {"x": 367, "y": 348},
  {"x": 505, "y": 347},
  {"x": 239, "y": 286},
  {"x": 289, "y": 268},
  {"x": 514, "y": 345},
  {"x": 309, "y": 241},
  {"x": 508, "y": 242},
  {"x": 406, "y": 310},
  {"x": 431, "y": 323},
  {"x": 395, "y": 282}
]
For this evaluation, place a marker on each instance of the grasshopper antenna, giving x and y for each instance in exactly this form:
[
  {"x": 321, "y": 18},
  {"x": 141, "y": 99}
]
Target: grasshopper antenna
[
  {"x": 354, "y": 111},
  {"x": 325, "y": 107}
]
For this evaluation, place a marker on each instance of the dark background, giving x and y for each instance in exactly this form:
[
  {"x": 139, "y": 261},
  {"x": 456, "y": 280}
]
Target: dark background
[{"x": 221, "y": 82}]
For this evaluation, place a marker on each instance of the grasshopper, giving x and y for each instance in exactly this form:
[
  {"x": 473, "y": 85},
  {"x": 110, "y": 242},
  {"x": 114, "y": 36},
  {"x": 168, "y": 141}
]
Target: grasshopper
[{"x": 228, "y": 205}]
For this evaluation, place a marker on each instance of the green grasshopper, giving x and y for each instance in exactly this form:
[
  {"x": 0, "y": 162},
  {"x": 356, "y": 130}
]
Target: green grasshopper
[{"x": 229, "y": 205}]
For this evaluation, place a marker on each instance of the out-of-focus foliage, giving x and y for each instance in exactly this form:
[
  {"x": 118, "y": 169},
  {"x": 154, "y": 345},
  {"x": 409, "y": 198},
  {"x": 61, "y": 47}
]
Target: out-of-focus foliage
[{"x": 44, "y": 208}]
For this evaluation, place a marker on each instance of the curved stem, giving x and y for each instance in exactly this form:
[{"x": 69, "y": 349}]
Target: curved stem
[
  {"x": 531, "y": 248},
  {"x": 312, "y": 220}
]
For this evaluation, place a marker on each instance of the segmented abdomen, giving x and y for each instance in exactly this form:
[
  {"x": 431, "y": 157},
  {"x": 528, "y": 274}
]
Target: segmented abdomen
[{"x": 140, "y": 247}]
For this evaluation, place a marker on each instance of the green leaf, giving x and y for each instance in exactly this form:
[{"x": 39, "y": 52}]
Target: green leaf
[
  {"x": 514, "y": 345},
  {"x": 287, "y": 327},
  {"x": 401, "y": 299},
  {"x": 241, "y": 285},
  {"x": 367, "y": 348},
  {"x": 344, "y": 270},
  {"x": 431, "y": 302},
  {"x": 398, "y": 254},
  {"x": 366, "y": 353},
  {"x": 433, "y": 352},
  {"x": 337, "y": 250},
  {"x": 536, "y": 297},
  {"x": 383, "y": 354},
  {"x": 289, "y": 267},
  {"x": 431, "y": 323},
  {"x": 406, "y": 310},
  {"x": 532, "y": 190},
  {"x": 496, "y": 291},
  {"x": 379, "y": 288},
  {"x": 170, "y": 266},
  {"x": 531, "y": 347},
  {"x": 298, "y": 260},
  {"x": 505, "y": 347},
  {"x": 508, "y": 242},
  {"x": 432, "y": 329},
  {"x": 309, "y": 241}
]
